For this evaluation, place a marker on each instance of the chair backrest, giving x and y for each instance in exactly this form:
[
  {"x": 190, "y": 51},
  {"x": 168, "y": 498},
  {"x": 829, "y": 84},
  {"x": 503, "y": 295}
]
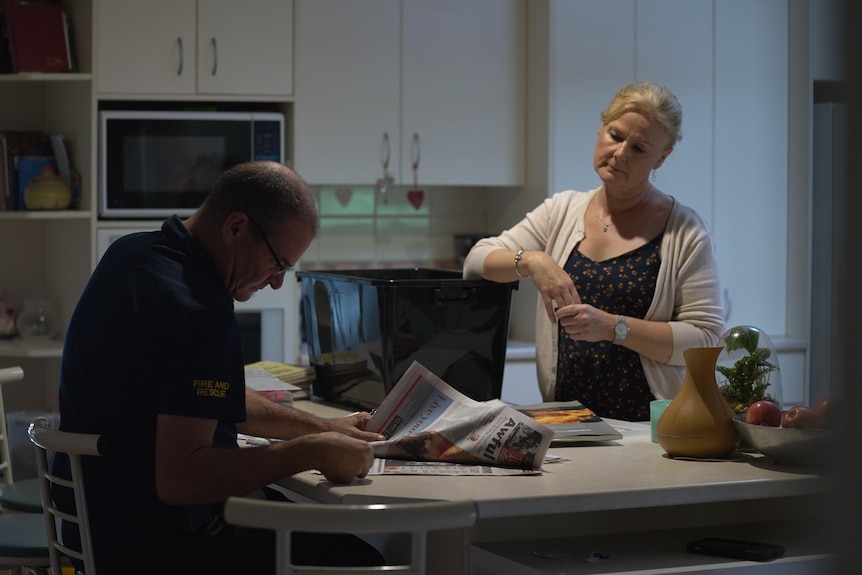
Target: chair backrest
[
  {"x": 75, "y": 445},
  {"x": 7, "y": 375},
  {"x": 417, "y": 519}
]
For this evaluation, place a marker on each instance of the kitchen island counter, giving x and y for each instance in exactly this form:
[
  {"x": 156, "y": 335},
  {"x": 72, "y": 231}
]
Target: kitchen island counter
[{"x": 607, "y": 487}]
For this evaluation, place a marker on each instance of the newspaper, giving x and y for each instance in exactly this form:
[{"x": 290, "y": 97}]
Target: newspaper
[
  {"x": 425, "y": 419},
  {"x": 402, "y": 467}
]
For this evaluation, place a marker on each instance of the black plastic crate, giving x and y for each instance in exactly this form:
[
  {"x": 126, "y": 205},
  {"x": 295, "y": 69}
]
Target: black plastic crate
[{"x": 365, "y": 327}]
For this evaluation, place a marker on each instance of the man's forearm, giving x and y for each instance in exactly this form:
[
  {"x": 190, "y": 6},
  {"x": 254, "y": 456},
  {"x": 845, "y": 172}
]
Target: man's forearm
[{"x": 266, "y": 418}]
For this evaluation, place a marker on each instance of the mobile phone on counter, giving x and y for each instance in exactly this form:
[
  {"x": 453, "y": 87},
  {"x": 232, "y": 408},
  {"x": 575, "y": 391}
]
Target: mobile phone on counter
[{"x": 736, "y": 549}]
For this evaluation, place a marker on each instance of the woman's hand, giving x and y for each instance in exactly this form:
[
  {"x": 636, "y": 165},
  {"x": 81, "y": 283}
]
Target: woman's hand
[
  {"x": 585, "y": 322},
  {"x": 555, "y": 285}
]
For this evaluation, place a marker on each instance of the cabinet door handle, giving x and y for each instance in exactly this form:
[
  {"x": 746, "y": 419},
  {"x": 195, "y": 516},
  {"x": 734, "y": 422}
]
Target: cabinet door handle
[
  {"x": 384, "y": 153},
  {"x": 180, "y": 56},
  {"x": 215, "y": 55},
  {"x": 414, "y": 151}
]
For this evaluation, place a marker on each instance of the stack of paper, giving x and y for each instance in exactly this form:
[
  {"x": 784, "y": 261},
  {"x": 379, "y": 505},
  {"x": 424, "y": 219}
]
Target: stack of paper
[
  {"x": 261, "y": 381},
  {"x": 299, "y": 376}
]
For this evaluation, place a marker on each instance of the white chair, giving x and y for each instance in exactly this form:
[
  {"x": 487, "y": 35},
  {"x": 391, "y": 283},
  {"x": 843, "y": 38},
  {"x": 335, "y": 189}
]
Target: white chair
[
  {"x": 23, "y": 543},
  {"x": 22, "y": 495},
  {"x": 415, "y": 519},
  {"x": 77, "y": 446}
]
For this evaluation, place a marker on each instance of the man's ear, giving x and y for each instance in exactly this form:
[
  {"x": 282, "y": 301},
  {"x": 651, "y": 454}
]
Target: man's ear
[{"x": 234, "y": 226}]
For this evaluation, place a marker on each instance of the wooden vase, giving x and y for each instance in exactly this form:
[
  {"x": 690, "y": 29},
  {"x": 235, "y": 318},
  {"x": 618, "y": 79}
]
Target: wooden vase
[{"x": 698, "y": 422}]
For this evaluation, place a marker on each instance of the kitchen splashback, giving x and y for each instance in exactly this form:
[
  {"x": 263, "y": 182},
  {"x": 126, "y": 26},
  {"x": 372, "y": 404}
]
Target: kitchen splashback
[{"x": 361, "y": 228}]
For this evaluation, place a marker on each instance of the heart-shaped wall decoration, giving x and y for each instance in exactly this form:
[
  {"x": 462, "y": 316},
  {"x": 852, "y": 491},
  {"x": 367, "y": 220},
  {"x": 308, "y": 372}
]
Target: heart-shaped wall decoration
[
  {"x": 416, "y": 197},
  {"x": 343, "y": 195}
]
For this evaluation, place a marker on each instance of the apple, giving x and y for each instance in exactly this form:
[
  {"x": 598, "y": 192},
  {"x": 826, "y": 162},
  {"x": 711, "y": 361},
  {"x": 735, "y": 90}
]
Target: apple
[
  {"x": 829, "y": 411},
  {"x": 763, "y": 412},
  {"x": 800, "y": 417}
]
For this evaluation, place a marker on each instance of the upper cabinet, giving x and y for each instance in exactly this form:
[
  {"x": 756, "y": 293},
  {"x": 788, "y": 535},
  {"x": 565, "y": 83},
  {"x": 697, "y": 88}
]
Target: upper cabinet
[
  {"x": 195, "y": 47},
  {"x": 438, "y": 86}
]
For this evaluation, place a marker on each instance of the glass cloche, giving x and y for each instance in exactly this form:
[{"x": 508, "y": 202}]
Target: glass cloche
[
  {"x": 37, "y": 319},
  {"x": 747, "y": 368}
]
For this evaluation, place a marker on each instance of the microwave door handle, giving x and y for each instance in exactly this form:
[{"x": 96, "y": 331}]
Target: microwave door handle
[
  {"x": 180, "y": 56},
  {"x": 215, "y": 55}
]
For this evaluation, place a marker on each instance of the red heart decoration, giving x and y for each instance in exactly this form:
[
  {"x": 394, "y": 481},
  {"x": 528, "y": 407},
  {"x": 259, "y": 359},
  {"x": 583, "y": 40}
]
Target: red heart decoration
[
  {"x": 343, "y": 195},
  {"x": 416, "y": 197}
]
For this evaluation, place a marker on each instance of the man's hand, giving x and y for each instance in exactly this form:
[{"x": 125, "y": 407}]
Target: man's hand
[
  {"x": 340, "y": 458},
  {"x": 354, "y": 426}
]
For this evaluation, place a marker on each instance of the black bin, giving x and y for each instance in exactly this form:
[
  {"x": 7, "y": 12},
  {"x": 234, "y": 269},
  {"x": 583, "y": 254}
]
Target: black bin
[{"x": 366, "y": 327}]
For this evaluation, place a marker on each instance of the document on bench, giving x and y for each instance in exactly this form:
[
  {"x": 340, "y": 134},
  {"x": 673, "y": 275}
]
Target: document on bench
[{"x": 424, "y": 419}]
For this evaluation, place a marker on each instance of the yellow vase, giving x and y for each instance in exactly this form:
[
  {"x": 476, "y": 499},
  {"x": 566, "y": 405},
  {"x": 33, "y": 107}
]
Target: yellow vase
[
  {"x": 47, "y": 192},
  {"x": 699, "y": 421}
]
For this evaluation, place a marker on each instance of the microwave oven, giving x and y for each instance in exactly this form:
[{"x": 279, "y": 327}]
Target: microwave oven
[{"x": 153, "y": 164}]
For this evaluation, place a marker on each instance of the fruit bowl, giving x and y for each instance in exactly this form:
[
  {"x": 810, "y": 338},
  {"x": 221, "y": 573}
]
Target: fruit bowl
[{"x": 788, "y": 445}]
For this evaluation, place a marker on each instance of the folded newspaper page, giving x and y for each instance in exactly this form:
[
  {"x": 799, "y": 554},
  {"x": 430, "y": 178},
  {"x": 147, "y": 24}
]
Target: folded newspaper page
[
  {"x": 403, "y": 467},
  {"x": 425, "y": 419}
]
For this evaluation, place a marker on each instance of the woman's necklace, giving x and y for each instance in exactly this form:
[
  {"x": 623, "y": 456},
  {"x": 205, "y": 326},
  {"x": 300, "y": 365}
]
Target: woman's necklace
[{"x": 605, "y": 226}]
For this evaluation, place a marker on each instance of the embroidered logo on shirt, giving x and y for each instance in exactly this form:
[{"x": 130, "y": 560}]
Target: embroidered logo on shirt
[{"x": 210, "y": 388}]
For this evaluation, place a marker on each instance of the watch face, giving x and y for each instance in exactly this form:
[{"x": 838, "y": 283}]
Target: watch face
[{"x": 621, "y": 330}]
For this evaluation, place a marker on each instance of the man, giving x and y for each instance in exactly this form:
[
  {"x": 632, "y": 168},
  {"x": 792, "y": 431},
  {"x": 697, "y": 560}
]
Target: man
[{"x": 153, "y": 361}]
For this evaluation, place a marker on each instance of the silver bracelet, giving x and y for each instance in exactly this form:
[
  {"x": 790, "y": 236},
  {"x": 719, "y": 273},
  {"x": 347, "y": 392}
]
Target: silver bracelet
[{"x": 518, "y": 257}]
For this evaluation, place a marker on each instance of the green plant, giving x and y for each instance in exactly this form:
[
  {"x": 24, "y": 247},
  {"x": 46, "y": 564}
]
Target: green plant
[{"x": 748, "y": 378}]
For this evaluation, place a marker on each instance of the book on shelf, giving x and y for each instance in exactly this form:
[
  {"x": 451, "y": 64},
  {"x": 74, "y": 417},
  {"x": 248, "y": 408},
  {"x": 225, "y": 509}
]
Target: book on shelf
[
  {"x": 5, "y": 189},
  {"x": 13, "y": 146},
  {"x": 38, "y": 37},
  {"x": 29, "y": 167},
  {"x": 64, "y": 168},
  {"x": 571, "y": 421},
  {"x": 5, "y": 57}
]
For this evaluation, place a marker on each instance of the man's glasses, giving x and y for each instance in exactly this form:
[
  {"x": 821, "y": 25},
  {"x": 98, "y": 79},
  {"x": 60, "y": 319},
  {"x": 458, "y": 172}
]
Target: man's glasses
[{"x": 281, "y": 266}]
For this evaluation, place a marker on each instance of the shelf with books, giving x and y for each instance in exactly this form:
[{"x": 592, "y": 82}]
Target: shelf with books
[{"x": 50, "y": 251}]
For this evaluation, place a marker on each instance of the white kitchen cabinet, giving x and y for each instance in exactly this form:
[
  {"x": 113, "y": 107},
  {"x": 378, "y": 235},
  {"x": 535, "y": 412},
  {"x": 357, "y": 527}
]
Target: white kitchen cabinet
[
  {"x": 195, "y": 47},
  {"x": 439, "y": 82},
  {"x": 751, "y": 192},
  {"x": 650, "y": 46}
]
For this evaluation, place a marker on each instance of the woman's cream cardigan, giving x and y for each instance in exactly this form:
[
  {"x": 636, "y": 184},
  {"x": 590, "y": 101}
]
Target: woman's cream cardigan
[{"x": 687, "y": 295}]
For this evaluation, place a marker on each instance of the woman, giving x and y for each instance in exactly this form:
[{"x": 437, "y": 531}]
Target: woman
[{"x": 626, "y": 275}]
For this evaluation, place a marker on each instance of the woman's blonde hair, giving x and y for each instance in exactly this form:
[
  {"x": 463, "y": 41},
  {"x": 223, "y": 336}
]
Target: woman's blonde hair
[{"x": 651, "y": 100}]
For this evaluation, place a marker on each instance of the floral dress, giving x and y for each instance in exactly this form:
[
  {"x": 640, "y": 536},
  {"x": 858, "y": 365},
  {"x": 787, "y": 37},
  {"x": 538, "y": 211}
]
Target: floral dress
[{"x": 608, "y": 378}]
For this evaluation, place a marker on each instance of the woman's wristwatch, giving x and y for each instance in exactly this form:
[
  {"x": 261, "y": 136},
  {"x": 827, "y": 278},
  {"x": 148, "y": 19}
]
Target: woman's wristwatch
[{"x": 621, "y": 329}]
